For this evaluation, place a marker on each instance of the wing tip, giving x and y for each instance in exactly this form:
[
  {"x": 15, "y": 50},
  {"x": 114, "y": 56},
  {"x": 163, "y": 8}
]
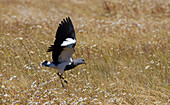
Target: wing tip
[
  {"x": 66, "y": 20},
  {"x": 50, "y": 48}
]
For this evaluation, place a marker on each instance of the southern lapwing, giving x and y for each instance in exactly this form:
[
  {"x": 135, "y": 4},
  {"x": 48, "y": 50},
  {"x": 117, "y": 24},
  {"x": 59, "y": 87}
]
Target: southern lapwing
[{"x": 63, "y": 49}]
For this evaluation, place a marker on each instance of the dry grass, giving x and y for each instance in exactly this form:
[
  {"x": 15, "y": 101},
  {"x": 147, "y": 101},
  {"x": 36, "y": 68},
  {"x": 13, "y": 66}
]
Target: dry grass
[{"x": 125, "y": 45}]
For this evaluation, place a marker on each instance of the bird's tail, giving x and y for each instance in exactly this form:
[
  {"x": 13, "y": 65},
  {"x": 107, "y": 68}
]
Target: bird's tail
[{"x": 45, "y": 63}]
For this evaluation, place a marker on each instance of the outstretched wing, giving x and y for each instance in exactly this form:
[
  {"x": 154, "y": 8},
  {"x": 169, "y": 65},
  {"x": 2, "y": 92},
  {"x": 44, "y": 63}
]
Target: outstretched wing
[
  {"x": 64, "y": 43},
  {"x": 65, "y": 34}
]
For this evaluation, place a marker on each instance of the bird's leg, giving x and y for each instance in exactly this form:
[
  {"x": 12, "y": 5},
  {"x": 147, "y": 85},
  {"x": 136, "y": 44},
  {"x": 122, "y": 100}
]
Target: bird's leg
[
  {"x": 60, "y": 75},
  {"x": 62, "y": 83},
  {"x": 61, "y": 80}
]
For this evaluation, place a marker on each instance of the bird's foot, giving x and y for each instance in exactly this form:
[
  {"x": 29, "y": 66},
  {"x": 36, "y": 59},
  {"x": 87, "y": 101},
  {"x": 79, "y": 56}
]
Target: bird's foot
[
  {"x": 65, "y": 81},
  {"x": 62, "y": 84},
  {"x": 60, "y": 75}
]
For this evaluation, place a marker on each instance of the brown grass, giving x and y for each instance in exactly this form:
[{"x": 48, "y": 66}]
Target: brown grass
[{"x": 125, "y": 45}]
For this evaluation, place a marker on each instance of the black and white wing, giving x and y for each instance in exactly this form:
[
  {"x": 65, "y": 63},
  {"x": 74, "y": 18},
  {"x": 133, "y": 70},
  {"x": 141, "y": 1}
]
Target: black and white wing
[
  {"x": 64, "y": 44},
  {"x": 65, "y": 34}
]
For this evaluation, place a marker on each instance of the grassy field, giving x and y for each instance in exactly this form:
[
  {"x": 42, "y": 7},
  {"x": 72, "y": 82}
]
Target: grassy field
[{"x": 125, "y": 44}]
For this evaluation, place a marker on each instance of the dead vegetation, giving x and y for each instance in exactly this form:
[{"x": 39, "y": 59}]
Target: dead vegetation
[{"x": 125, "y": 45}]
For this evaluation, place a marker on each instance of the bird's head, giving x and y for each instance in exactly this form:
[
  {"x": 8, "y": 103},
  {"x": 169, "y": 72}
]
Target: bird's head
[{"x": 80, "y": 61}]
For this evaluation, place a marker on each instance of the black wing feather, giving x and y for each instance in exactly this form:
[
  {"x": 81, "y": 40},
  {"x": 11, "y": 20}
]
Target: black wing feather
[
  {"x": 64, "y": 31},
  {"x": 56, "y": 51}
]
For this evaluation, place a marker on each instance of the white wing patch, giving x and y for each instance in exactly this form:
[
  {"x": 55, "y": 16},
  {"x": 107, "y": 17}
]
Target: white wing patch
[
  {"x": 66, "y": 55},
  {"x": 68, "y": 42}
]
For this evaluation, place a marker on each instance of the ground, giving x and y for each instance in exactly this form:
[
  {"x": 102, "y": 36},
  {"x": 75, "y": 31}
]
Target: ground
[{"x": 125, "y": 44}]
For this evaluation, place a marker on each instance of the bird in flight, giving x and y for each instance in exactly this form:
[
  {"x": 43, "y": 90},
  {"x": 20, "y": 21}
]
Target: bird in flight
[{"x": 63, "y": 49}]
